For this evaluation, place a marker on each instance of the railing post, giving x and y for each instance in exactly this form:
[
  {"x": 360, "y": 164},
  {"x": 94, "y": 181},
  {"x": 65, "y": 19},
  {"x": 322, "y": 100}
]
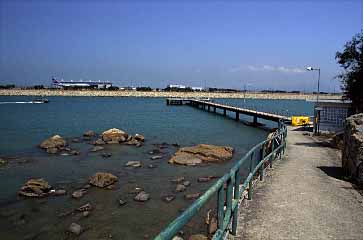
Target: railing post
[
  {"x": 220, "y": 204},
  {"x": 272, "y": 152},
  {"x": 236, "y": 198},
  {"x": 250, "y": 187},
  {"x": 262, "y": 168}
]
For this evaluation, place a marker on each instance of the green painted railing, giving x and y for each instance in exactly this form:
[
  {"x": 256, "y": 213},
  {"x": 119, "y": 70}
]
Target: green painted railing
[{"x": 227, "y": 209}]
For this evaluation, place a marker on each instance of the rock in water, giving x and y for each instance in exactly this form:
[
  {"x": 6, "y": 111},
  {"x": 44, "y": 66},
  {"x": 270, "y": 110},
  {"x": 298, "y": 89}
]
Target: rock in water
[
  {"x": 121, "y": 202},
  {"x": 35, "y": 188},
  {"x": 139, "y": 137},
  {"x": 98, "y": 142},
  {"x": 85, "y": 207},
  {"x": 180, "y": 188},
  {"x": 60, "y": 192},
  {"x": 79, "y": 193},
  {"x": 202, "y": 153},
  {"x": 97, "y": 148},
  {"x": 156, "y": 157},
  {"x": 89, "y": 133},
  {"x": 192, "y": 196},
  {"x": 102, "y": 179},
  {"x": 142, "y": 197},
  {"x": 3, "y": 162},
  {"x": 178, "y": 180},
  {"x": 168, "y": 198},
  {"x": 75, "y": 229},
  {"x": 134, "y": 164},
  {"x": 114, "y": 135},
  {"x": 53, "y": 144}
]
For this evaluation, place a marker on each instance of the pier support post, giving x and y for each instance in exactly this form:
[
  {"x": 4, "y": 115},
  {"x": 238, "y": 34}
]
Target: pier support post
[
  {"x": 208, "y": 108},
  {"x": 224, "y": 112},
  {"x": 237, "y": 116},
  {"x": 214, "y": 110},
  {"x": 255, "y": 120}
]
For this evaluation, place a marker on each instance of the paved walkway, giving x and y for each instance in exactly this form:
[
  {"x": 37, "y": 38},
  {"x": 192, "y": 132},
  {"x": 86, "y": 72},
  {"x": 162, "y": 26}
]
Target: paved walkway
[{"x": 304, "y": 197}]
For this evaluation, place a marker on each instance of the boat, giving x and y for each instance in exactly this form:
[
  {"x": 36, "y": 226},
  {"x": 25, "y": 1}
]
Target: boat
[{"x": 40, "y": 100}]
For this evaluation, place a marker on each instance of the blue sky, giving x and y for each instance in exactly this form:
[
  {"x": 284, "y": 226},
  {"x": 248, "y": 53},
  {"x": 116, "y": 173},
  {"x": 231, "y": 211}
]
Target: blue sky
[{"x": 265, "y": 45}]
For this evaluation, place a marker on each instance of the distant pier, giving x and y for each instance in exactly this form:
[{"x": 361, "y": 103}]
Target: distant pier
[{"x": 206, "y": 104}]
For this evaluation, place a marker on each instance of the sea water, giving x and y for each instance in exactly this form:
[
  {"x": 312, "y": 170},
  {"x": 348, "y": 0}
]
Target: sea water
[{"x": 24, "y": 126}]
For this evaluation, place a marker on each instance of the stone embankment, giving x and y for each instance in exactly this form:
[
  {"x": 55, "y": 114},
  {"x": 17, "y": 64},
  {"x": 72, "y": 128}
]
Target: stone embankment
[
  {"x": 101, "y": 93},
  {"x": 352, "y": 158}
]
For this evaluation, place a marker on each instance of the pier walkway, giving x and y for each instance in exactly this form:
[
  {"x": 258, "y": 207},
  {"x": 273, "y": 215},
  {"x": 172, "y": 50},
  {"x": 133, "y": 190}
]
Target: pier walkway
[
  {"x": 304, "y": 197},
  {"x": 206, "y": 104}
]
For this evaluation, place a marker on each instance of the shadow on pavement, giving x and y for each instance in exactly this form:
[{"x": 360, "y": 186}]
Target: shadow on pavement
[
  {"x": 303, "y": 129},
  {"x": 314, "y": 144},
  {"x": 335, "y": 172}
]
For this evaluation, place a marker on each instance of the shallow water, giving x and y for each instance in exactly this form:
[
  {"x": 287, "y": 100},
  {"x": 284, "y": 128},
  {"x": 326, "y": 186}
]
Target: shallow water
[{"x": 24, "y": 126}]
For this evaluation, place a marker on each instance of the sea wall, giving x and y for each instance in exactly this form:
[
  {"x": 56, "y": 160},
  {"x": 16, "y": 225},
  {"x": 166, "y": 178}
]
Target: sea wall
[
  {"x": 352, "y": 153},
  {"x": 101, "y": 93}
]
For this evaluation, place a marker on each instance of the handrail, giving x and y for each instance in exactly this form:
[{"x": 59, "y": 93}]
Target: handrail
[{"x": 227, "y": 209}]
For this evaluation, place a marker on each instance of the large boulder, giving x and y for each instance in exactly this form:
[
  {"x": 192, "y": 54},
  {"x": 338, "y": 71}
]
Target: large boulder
[
  {"x": 102, "y": 179},
  {"x": 114, "y": 135},
  {"x": 53, "y": 144},
  {"x": 35, "y": 188},
  {"x": 352, "y": 153},
  {"x": 202, "y": 153}
]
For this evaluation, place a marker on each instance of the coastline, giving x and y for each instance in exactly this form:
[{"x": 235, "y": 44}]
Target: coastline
[{"x": 119, "y": 93}]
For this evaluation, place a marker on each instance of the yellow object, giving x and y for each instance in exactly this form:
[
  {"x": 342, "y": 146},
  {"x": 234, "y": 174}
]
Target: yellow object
[{"x": 300, "y": 120}]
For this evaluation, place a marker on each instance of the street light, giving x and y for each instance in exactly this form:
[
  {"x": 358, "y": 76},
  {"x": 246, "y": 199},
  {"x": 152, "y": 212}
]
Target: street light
[
  {"x": 316, "y": 109},
  {"x": 316, "y": 69}
]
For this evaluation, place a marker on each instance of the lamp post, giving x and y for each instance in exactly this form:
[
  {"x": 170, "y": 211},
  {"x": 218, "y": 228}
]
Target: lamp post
[
  {"x": 316, "y": 109},
  {"x": 316, "y": 69}
]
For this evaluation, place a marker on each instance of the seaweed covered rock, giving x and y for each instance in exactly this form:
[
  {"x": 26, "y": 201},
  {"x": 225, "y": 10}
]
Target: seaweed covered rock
[
  {"x": 114, "y": 135},
  {"x": 102, "y": 179},
  {"x": 53, "y": 144},
  {"x": 35, "y": 188},
  {"x": 202, "y": 153}
]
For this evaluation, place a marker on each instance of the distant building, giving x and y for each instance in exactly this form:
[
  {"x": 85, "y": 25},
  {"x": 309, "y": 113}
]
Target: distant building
[
  {"x": 177, "y": 86},
  {"x": 198, "y": 89},
  {"x": 81, "y": 84},
  {"x": 330, "y": 115}
]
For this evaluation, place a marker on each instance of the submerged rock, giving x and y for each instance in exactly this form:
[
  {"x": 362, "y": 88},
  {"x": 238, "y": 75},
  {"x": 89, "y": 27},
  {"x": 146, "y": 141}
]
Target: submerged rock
[
  {"x": 79, "y": 193},
  {"x": 186, "y": 183},
  {"x": 114, "y": 135},
  {"x": 206, "y": 179},
  {"x": 142, "y": 197},
  {"x": 75, "y": 229},
  {"x": 35, "y": 188},
  {"x": 60, "y": 192},
  {"x": 192, "y": 196},
  {"x": 134, "y": 164},
  {"x": 106, "y": 155},
  {"x": 202, "y": 153},
  {"x": 97, "y": 148},
  {"x": 98, "y": 142},
  {"x": 156, "y": 157},
  {"x": 168, "y": 198},
  {"x": 89, "y": 133},
  {"x": 102, "y": 179},
  {"x": 53, "y": 144},
  {"x": 85, "y": 207},
  {"x": 3, "y": 162},
  {"x": 180, "y": 188},
  {"x": 121, "y": 202},
  {"x": 178, "y": 180}
]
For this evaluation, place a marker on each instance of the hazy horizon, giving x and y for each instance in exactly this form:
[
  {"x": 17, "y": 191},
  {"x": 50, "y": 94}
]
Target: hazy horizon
[{"x": 264, "y": 45}]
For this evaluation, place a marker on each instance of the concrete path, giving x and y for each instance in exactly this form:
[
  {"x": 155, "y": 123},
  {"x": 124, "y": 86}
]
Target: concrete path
[{"x": 304, "y": 197}]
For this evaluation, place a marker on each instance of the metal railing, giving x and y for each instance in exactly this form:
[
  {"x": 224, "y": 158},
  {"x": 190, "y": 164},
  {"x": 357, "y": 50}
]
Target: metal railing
[{"x": 227, "y": 209}]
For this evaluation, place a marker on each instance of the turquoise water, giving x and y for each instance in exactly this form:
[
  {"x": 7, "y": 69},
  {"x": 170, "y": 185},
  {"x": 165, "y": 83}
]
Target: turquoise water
[{"x": 24, "y": 126}]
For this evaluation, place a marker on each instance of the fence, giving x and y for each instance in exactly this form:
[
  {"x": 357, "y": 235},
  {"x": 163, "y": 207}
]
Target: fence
[{"x": 227, "y": 209}]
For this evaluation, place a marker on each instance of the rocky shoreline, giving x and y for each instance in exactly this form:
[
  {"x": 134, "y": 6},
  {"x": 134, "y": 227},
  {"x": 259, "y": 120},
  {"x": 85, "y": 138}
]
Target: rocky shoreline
[{"x": 101, "y": 93}]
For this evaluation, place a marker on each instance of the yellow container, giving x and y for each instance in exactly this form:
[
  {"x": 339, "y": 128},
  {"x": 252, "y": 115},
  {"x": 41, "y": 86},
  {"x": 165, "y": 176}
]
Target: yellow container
[{"x": 300, "y": 120}]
